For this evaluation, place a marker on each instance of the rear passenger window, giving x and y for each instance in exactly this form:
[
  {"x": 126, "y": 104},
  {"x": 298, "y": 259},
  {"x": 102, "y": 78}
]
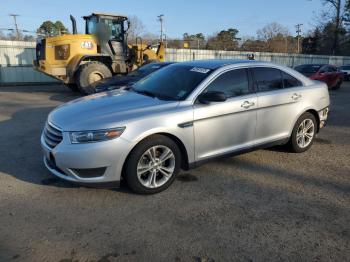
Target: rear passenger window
[
  {"x": 290, "y": 81},
  {"x": 268, "y": 79},
  {"x": 232, "y": 83}
]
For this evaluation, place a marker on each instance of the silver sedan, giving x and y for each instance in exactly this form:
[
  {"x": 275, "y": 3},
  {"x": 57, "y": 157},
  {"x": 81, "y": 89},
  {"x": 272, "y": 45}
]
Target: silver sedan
[{"x": 179, "y": 117}]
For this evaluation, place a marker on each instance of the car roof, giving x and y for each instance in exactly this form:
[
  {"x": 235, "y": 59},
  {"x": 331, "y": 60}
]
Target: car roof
[
  {"x": 312, "y": 65},
  {"x": 215, "y": 64}
]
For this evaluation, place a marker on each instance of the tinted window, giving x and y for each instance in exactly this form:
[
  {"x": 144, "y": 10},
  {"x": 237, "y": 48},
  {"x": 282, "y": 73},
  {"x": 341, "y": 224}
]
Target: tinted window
[
  {"x": 174, "y": 82},
  {"x": 324, "y": 69},
  {"x": 307, "y": 69},
  {"x": 290, "y": 81},
  {"x": 268, "y": 79},
  {"x": 232, "y": 83},
  {"x": 146, "y": 70},
  {"x": 345, "y": 67},
  {"x": 332, "y": 69}
]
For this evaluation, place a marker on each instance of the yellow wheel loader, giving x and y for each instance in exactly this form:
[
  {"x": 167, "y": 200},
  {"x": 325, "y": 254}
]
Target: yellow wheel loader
[{"x": 78, "y": 60}]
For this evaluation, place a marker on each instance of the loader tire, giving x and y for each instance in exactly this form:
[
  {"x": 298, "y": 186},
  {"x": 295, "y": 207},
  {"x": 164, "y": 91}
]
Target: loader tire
[
  {"x": 73, "y": 87},
  {"x": 89, "y": 73}
]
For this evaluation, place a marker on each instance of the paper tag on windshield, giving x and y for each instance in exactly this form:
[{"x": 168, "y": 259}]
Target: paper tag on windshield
[{"x": 200, "y": 70}]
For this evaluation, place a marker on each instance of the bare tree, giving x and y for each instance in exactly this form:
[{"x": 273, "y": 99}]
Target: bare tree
[
  {"x": 339, "y": 10},
  {"x": 277, "y": 38},
  {"x": 137, "y": 28},
  {"x": 2, "y": 36},
  {"x": 272, "y": 30}
]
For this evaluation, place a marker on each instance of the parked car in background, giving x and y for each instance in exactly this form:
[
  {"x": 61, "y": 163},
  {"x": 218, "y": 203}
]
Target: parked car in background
[
  {"x": 346, "y": 71},
  {"x": 328, "y": 74},
  {"x": 117, "y": 82},
  {"x": 180, "y": 117}
]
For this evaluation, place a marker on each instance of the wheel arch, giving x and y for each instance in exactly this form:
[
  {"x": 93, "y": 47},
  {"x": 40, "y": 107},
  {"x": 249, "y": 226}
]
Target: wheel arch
[
  {"x": 317, "y": 117},
  {"x": 177, "y": 140},
  {"x": 311, "y": 111},
  {"x": 79, "y": 60}
]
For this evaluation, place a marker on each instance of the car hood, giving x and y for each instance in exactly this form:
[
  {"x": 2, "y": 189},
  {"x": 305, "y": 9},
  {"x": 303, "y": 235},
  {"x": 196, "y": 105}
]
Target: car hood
[{"x": 107, "y": 110}]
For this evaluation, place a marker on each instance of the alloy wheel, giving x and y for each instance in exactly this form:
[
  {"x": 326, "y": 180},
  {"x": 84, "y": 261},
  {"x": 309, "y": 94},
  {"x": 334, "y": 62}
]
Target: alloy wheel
[
  {"x": 156, "y": 166},
  {"x": 305, "y": 133}
]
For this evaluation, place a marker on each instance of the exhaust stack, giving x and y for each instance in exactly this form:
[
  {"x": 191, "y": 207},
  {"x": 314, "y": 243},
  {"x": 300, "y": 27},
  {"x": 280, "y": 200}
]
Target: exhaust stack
[{"x": 74, "y": 25}]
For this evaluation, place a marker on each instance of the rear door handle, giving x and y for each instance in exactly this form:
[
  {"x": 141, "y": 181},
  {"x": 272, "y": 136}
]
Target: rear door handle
[
  {"x": 247, "y": 104},
  {"x": 296, "y": 97}
]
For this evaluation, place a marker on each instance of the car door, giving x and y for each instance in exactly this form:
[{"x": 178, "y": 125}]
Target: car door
[
  {"x": 224, "y": 127},
  {"x": 325, "y": 74},
  {"x": 279, "y": 99},
  {"x": 334, "y": 75}
]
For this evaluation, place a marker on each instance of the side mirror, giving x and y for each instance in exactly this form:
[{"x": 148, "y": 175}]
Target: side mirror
[{"x": 213, "y": 96}]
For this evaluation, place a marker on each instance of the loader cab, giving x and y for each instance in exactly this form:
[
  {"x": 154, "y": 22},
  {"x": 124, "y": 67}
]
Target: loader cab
[
  {"x": 110, "y": 31},
  {"x": 114, "y": 23}
]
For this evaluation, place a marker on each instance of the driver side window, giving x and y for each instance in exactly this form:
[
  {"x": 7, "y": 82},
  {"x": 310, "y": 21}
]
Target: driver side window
[{"x": 233, "y": 83}]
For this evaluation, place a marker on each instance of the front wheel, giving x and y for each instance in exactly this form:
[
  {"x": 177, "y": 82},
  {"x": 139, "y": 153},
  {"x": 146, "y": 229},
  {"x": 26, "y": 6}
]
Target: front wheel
[
  {"x": 90, "y": 73},
  {"x": 153, "y": 165},
  {"x": 303, "y": 133}
]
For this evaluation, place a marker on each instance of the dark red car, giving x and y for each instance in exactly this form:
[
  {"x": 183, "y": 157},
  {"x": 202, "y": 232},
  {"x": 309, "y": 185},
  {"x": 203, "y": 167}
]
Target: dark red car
[{"x": 329, "y": 74}]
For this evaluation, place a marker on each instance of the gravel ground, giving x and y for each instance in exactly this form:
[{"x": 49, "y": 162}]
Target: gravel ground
[{"x": 268, "y": 205}]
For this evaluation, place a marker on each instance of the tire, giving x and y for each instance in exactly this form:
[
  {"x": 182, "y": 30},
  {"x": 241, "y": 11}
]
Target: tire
[
  {"x": 73, "y": 87},
  {"x": 89, "y": 73},
  {"x": 295, "y": 141},
  {"x": 138, "y": 158}
]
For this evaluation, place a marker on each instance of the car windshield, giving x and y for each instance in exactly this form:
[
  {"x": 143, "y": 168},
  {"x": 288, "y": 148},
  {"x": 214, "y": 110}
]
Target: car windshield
[
  {"x": 174, "y": 82},
  {"x": 308, "y": 68},
  {"x": 345, "y": 67},
  {"x": 146, "y": 70}
]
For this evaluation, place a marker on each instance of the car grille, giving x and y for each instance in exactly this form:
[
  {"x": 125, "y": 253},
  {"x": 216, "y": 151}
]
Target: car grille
[{"x": 53, "y": 135}]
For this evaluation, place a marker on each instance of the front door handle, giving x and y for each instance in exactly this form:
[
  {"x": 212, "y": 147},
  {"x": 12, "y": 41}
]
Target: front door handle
[
  {"x": 247, "y": 104},
  {"x": 296, "y": 97}
]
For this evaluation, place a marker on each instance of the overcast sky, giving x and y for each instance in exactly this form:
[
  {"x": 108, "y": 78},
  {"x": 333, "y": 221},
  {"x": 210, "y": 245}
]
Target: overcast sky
[{"x": 206, "y": 16}]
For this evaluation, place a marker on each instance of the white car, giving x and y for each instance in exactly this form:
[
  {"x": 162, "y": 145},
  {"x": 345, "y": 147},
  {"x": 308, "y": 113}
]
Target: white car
[{"x": 346, "y": 70}]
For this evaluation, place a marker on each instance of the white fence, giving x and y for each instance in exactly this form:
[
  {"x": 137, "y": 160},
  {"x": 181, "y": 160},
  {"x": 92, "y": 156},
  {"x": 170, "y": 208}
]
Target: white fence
[
  {"x": 290, "y": 60},
  {"x": 16, "y": 60}
]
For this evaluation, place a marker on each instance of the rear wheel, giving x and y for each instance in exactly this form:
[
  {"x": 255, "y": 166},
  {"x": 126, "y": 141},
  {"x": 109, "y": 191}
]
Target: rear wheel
[
  {"x": 90, "y": 73},
  {"x": 153, "y": 165},
  {"x": 303, "y": 133}
]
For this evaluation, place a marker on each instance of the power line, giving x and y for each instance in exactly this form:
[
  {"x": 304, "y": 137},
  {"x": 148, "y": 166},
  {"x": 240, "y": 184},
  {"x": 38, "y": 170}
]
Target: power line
[{"x": 16, "y": 25}]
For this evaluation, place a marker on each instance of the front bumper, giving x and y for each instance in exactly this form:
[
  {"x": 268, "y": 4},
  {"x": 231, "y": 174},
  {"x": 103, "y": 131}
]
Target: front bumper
[{"x": 66, "y": 160}]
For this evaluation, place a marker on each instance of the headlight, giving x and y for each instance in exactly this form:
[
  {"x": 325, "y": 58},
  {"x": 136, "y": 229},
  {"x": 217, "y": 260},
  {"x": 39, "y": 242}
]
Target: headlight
[
  {"x": 62, "y": 52},
  {"x": 95, "y": 136}
]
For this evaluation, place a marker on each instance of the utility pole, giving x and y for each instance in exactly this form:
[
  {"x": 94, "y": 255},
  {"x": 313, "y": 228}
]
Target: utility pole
[
  {"x": 298, "y": 31},
  {"x": 161, "y": 20},
  {"x": 16, "y": 26}
]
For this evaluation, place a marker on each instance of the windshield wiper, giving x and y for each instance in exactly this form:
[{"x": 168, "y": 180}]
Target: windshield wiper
[
  {"x": 144, "y": 92},
  {"x": 149, "y": 93}
]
